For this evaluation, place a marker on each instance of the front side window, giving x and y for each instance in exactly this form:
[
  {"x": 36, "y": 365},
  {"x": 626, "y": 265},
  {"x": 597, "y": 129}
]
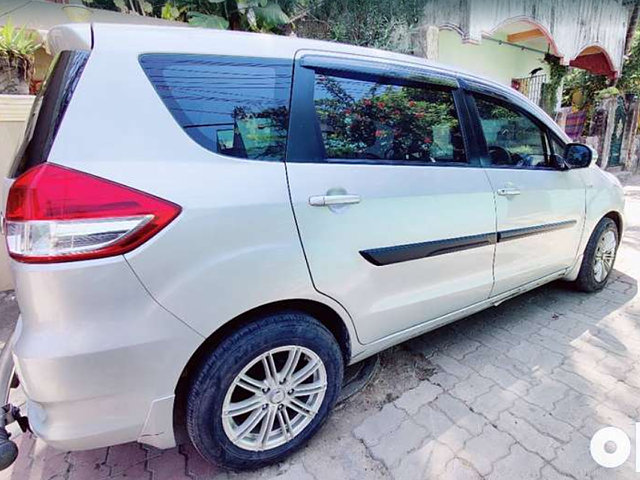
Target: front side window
[
  {"x": 230, "y": 105},
  {"x": 513, "y": 139},
  {"x": 362, "y": 119}
]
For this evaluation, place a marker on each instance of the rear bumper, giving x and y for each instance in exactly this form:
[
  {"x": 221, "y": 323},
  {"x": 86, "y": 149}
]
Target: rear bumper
[
  {"x": 96, "y": 355},
  {"x": 6, "y": 369}
]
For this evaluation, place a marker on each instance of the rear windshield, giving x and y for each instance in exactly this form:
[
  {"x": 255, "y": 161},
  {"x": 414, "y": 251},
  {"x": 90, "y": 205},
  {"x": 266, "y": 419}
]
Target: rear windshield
[
  {"x": 234, "y": 106},
  {"x": 48, "y": 110}
]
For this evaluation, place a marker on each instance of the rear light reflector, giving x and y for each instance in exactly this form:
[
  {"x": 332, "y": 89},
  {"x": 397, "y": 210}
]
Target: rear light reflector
[{"x": 56, "y": 214}]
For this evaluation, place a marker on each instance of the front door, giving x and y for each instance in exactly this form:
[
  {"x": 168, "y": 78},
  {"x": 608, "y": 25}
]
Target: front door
[
  {"x": 396, "y": 224},
  {"x": 540, "y": 210}
]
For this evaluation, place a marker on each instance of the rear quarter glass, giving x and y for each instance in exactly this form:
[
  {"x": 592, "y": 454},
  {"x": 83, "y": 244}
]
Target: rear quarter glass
[
  {"x": 234, "y": 106},
  {"x": 48, "y": 111}
]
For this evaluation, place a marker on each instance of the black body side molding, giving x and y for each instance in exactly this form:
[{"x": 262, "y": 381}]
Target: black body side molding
[
  {"x": 538, "y": 229},
  {"x": 414, "y": 251}
]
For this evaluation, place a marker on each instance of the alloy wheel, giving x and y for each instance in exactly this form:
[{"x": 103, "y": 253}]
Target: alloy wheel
[
  {"x": 274, "y": 398},
  {"x": 604, "y": 256}
]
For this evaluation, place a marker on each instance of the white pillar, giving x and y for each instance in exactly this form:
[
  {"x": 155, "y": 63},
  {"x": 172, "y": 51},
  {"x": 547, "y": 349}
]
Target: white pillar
[{"x": 431, "y": 42}]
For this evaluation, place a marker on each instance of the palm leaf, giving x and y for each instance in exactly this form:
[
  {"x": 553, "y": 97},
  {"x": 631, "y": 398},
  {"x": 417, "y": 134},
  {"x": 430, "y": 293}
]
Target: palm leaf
[{"x": 17, "y": 43}]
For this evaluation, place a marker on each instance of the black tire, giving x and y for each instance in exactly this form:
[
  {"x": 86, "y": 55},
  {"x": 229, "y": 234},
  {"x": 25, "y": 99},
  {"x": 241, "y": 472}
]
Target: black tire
[
  {"x": 210, "y": 385},
  {"x": 586, "y": 280}
]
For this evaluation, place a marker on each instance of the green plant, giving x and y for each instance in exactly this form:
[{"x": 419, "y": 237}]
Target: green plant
[
  {"x": 370, "y": 23},
  {"x": 404, "y": 122},
  {"x": 606, "y": 93},
  {"x": 581, "y": 80},
  {"x": 557, "y": 73},
  {"x": 17, "y": 44},
  {"x": 251, "y": 15},
  {"x": 141, "y": 7},
  {"x": 629, "y": 81},
  {"x": 170, "y": 12}
]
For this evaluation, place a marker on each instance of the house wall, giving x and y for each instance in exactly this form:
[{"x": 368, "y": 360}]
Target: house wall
[
  {"x": 14, "y": 111},
  {"x": 499, "y": 62},
  {"x": 42, "y": 63},
  {"x": 572, "y": 24}
]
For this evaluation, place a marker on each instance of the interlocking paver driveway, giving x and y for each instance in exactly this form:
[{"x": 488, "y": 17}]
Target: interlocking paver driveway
[{"x": 515, "y": 392}]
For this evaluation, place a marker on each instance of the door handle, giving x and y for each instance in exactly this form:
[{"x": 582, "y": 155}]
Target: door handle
[
  {"x": 328, "y": 200},
  {"x": 508, "y": 192}
]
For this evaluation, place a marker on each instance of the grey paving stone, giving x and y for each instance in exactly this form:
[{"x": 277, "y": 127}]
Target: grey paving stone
[
  {"x": 604, "y": 416},
  {"x": 633, "y": 376},
  {"x": 459, "y": 469},
  {"x": 616, "y": 366},
  {"x": 460, "y": 348},
  {"x": 450, "y": 365},
  {"x": 439, "y": 427},
  {"x": 625, "y": 398},
  {"x": 444, "y": 380},
  {"x": 460, "y": 414},
  {"x": 395, "y": 445},
  {"x": 490, "y": 341},
  {"x": 578, "y": 383},
  {"x": 485, "y": 449},
  {"x": 413, "y": 399},
  {"x": 523, "y": 328},
  {"x": 597, "y": 350},
  {"x": 494, "y": 402},
  {"x": 526, "y": 435},
  {"x": 550, "y": 473},
  {"x": 482, "y": 356},
  {"x": 574, "y": 459},
  {"x": 296, "y": 472},
  {"x": 379, "y": 424},
  {"x": 550, "y": 343},
  {"x": 543, "y": 421},
  {"x": 547, "y": 393},
  {"x": 505, "y": 378},
  {"x": 473, "y": 386},
  {"x": 519, "y": 464},
  {"x": 574, "y": 408},
  {"x": 534, "y": 356},
  {"x": 425, "y": 463}
]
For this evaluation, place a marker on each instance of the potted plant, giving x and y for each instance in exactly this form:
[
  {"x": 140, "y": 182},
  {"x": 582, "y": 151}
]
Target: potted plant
[{"x": 17, "y": 49}]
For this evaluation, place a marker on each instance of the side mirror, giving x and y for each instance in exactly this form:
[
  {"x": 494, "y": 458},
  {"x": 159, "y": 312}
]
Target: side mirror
[{"x": 578, "y": 155}]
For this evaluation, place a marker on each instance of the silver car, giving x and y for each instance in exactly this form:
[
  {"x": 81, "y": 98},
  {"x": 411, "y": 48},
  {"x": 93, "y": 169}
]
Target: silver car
[{"x": 206, "y": 227}]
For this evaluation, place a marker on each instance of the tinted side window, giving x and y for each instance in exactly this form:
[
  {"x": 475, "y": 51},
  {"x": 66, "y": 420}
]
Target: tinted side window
[
  {"x": 513, "y": 139},
  {"x": 48, "y": 111},
  {"x": 383, "y": 121},
  {"x": 229, "y": 105}
]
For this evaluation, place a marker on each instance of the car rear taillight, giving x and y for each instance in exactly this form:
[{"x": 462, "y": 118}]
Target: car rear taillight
[{"x": 56, "y": 214}]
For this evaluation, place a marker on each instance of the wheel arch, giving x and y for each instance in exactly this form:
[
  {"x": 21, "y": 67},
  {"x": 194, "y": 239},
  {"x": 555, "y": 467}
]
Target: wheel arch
[
  {"x": 320, "y": 311},
  {"x": 617, "y": 218},
  {"x": 614, "y": 215}
]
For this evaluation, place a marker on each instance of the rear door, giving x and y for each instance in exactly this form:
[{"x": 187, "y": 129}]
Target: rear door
[
  {"x": 540, "y": 210},
  {"x": 396, "y": 220}
]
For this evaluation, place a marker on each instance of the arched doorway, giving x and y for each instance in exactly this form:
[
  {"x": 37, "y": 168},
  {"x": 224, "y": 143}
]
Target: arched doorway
[
  {"x": 513, "y": 53},
  {"x": 596, "y": 60}
]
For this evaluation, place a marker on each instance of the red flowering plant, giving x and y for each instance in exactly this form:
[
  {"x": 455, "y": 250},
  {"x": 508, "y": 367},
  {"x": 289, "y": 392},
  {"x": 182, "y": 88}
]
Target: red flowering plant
[{"x": 386, "y": 122}]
